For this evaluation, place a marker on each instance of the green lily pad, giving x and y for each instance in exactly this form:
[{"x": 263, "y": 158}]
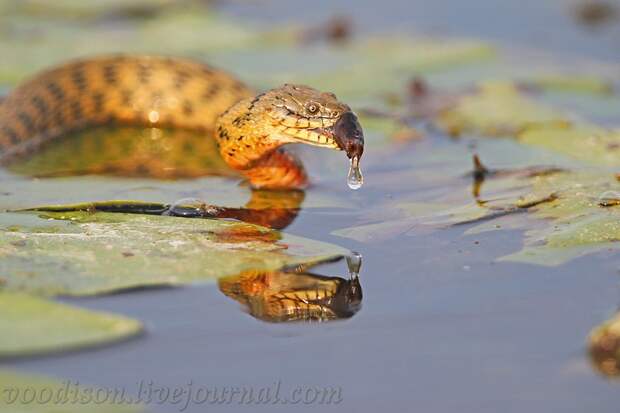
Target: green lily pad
[
  {"x": 497, "y": 109},
  {"x": 578, "y": 223},
  {"x": 562, "y": 211},
  {"x": 83, "y": 253},
  {"x": 588, "y": 143},
  {"x": 32, "y": 326},
  {"x": 22, "y": 393},
  {"x": 574, "y": 84}
]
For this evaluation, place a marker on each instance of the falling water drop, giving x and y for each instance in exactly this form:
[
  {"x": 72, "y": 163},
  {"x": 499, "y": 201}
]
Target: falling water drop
[
  {"x": 355, "y": 180},
  {"x": 354, "y": 262}
]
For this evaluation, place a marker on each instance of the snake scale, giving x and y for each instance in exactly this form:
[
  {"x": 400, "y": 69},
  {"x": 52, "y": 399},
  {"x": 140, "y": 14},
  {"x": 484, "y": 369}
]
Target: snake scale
[{"x": 249, "y": 127}]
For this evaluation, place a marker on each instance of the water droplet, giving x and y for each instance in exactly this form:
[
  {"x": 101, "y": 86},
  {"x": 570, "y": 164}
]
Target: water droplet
[
  {"x": 354, "y": 262},
  {"x": 355, "y": 180},
  {"x": 190, "y": 207}
]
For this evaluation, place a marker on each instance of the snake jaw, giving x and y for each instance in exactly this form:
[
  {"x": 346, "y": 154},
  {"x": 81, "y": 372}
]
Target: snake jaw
[
  {"x": 320, "y": 137},
  {"x": 344, "y": 133}
]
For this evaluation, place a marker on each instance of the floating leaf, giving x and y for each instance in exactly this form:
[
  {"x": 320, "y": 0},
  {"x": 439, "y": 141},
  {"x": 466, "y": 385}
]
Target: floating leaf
[
  {"x": 573, "y": 84},
  {"x": 588, "y": 143},
  {"x": 577, "y": 223},
  {"x": 31, "y": 326},
  {"x": 82, "y": 253},
  {"x": 497, "y": 109}
]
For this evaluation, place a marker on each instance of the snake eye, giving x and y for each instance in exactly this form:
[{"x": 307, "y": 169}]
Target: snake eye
[{"x": 312, "y": 108}]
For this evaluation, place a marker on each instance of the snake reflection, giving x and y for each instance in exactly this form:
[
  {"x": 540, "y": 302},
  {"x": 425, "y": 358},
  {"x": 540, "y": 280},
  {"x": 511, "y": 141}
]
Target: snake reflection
[{"x": 281, "y": 296}]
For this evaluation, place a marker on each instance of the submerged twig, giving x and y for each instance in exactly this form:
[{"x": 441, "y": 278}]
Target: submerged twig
[
  {"x": 480, "y": 173},
  {"x": 498, "y": 212}
]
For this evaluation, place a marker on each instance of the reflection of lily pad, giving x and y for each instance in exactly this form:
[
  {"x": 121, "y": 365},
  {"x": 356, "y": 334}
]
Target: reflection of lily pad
[
  {"x": 31, "y": 325},
  {"x": 53, "y": 396},
  {"x": 82, "y": 253}
]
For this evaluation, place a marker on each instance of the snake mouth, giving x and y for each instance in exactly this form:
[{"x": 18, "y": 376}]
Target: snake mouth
[
  {"x": 348, "y": 134},
  {"x": 345, "y": 134}
]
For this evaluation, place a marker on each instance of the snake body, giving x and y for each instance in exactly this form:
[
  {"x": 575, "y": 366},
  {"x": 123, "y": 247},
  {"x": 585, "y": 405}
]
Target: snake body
[{"x": 172, "y": 92}]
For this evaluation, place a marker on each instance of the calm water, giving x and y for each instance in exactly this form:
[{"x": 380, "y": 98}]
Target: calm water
[{"x": 442, "y": 328}]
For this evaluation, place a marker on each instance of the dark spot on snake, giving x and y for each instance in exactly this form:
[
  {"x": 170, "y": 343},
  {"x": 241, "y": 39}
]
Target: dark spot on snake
[
  {"x": 241, "y": 120},
  {"x": 223, "y": 133},
  {"x": 226, "y": 111},
  {"x": 156, "y": 97},
  {"x": 142, "y": 169},
  {"x": 26, "y": 122},
  {"x": 188, "y": 147},
  {"x": 39, "y": 104},
  {"x": 126, "y": 96},
  {"x": 59, "y": 118},
  {"x": 144, "y": 73},
  {"x": 110, "y": 74},
  {"x": 188, "y": 109},
  {"x": 180, "y": 79},
  {"x": 55, "y": 90},
  {"x": 238, "y": 86},
  {"x": 211, "y": 91},
  {"x": 98, "y": 101},
  {"x": 12, "y": 135},
  {"x": 79, "y": 79},
  {"x": 76, "y": 109},
  {"x": 256, "y": 99}
]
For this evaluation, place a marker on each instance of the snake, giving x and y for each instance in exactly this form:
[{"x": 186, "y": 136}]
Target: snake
[
  {"x": 250, "y": 128},
  {"x": 280, "y": 296}
]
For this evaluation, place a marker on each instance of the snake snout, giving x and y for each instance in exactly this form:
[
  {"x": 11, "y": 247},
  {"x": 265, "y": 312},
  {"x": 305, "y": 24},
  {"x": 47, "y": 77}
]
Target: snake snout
[{"x": 349, "y": 135}]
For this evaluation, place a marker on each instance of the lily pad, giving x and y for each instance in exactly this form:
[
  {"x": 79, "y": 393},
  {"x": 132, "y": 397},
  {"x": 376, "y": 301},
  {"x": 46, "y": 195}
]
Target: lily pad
[
  {"x": 578, "y": 223},
  {"x": 574, "y": 84},
  {"x": 83, "y": 253},
  {"x": 497, "y": 109},
  {"x": 23, "y": 393},
  {"x": 594, "y": 145},
  {"x": 32, "y": 326},
  {"x": 562, "y": 208}
]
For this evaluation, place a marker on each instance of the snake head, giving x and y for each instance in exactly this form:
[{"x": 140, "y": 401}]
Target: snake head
[{"x": 301, "y": 114}]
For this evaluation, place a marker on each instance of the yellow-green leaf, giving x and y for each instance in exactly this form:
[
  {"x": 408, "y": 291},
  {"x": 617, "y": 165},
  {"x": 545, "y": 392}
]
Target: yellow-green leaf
[{"x": 32, "y": 326}]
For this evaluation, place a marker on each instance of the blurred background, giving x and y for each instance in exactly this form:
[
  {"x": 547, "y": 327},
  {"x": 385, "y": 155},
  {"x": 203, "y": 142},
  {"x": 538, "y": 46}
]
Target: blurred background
[{"x": 585, "y": 27}]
